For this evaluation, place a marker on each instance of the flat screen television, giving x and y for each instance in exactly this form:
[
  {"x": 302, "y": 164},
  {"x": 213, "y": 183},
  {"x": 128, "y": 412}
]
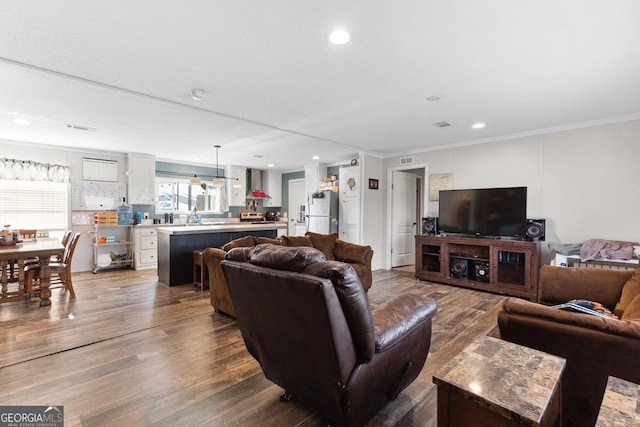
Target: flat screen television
[{"x": 484, "y": 212}]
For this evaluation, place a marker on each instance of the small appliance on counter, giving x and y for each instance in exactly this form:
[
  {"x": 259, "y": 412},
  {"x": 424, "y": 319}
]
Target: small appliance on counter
[{"x": 272, "y": 216}]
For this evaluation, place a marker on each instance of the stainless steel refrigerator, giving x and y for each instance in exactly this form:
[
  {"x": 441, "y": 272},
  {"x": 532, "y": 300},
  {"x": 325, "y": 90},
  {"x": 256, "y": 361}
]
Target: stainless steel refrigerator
[{"x": 322, "y": 212}]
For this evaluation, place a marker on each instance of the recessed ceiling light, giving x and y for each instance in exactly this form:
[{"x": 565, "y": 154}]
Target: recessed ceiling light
[
  {"x": 316, "y": 157},
  {"x": 271, "y": 165},
  {"x": 478, "y": 125},
  {"x": 434, "y": 98},
  {"x": 197, "y": 94},
  {"x": 21, "y": 121},
  {"x": 339, "y": 37}
]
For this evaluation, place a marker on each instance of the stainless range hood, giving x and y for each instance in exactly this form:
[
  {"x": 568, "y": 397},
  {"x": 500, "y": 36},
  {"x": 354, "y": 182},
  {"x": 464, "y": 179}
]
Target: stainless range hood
[{"x": 254, "y": 184}]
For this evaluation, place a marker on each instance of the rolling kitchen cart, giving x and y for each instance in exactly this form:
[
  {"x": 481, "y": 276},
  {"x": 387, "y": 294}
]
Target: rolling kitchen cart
[{"x": 112, "y": 247}]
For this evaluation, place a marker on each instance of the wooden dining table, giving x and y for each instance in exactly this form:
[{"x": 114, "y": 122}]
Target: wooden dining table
[{"x": 41, "y": 248}]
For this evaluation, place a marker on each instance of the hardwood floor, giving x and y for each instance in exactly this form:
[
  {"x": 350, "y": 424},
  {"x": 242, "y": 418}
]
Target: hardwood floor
[{"x": 130, "y": 351}]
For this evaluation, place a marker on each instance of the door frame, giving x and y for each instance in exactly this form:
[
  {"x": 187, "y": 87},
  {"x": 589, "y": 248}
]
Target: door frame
[{"x": 422, "y": 209}]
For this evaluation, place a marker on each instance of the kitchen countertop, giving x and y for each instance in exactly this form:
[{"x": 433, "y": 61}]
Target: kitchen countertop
[
  {"x": 219, "y": 228},
  {"x": 184, "y": 224},
  {"x": 176, "y": 245}
]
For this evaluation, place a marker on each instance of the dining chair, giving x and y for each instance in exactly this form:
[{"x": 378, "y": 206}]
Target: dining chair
[
  {"x": 28, "y": 234},
  {"x": 66, "y": 238},
  {"x": 60, "y": 271}
]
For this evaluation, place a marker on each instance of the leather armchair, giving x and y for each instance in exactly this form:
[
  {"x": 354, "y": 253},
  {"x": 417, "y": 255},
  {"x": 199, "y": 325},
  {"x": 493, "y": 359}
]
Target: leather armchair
[
  {"x": 357, "y": 255},
  {"x": 594, "y": 347},
  {"x": 307, "y": 321}
]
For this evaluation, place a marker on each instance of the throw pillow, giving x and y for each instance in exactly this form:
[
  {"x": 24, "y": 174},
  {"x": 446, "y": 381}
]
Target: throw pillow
[
  {"x": 326, "y": 243},
  {"x": 277, "y": 241},
  {"x": 632, "y": 311},
  {"x": 350, "y": 252},
  {"x": 297, "y": 241},
  {"x": 629, "y": 291},
  {"x": 289, "y": 259},
  {"x": 242, "y": 242}
]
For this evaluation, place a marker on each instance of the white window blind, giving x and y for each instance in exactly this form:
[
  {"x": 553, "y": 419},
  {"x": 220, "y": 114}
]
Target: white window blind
[{"x": 41, "y": 205}]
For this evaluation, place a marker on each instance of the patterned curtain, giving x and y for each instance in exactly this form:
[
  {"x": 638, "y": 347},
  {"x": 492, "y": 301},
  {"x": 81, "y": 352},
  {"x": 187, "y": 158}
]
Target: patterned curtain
[{"x": 27, "y": 170}]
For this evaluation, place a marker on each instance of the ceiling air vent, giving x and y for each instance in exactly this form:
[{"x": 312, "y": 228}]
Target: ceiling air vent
[
  {"x": 78, "y": 127},
  {"x": 406, "y": 160},
  {"x": 443, "y": 124}
]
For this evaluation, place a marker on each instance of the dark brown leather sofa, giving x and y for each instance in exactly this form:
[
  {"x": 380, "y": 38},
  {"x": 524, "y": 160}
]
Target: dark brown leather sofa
[
  {"x": 308, "y": 323},
  {"x": 594, "y": 347},
  {"x": 334, "y": 249}
]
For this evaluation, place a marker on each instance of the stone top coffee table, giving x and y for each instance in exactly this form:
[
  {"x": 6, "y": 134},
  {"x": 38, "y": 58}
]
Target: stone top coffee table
[
  {"x": 498, "y": 383},
  {"x": 620, "y": 404}
]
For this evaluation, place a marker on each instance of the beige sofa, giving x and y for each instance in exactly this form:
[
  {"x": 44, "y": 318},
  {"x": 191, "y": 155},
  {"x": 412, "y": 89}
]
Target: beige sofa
[{"x": 333, "y": 249}]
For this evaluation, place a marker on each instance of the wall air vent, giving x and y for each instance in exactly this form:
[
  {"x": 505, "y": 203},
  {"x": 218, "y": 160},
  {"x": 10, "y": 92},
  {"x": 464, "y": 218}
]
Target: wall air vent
[
  {"x": 443, "y": 124},
  {"x": 406, "y": 160}
]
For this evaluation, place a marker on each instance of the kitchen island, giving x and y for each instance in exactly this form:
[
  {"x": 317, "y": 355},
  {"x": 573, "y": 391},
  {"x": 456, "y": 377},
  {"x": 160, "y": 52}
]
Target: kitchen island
[{"x": 176, "y": 245}]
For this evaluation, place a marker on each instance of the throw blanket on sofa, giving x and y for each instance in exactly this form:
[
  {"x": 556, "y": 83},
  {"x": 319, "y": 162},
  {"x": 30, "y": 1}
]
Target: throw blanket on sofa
[{"x": 603, "y": 249}]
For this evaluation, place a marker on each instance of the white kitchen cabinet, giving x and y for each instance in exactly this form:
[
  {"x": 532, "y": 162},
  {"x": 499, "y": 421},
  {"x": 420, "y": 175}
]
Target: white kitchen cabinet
[
  {"x": 237, "y": 195},
  {"x": 313, "y": 176},
  {"x": 142, "y": 179},
  {"x": 282, "y": 231},
  {"x": 145, "y": 243},
  {"x": 272, "y": 185}
]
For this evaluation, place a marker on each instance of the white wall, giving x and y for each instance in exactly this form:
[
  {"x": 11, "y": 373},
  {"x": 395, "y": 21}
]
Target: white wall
[
  {"x": 583, "y": 182},
  {"x": 373, "y": 205},
  {"x": 82, "y": 257}
]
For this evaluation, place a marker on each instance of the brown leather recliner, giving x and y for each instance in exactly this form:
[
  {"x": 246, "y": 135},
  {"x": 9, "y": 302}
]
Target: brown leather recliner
[
  {"x": 308, "y": 323},
  {"x": 594, "y": 347}
]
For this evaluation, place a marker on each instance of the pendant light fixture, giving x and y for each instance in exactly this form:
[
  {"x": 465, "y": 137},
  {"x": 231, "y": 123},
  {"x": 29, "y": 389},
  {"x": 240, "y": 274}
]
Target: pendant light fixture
[{"x": 218, "y": 180}]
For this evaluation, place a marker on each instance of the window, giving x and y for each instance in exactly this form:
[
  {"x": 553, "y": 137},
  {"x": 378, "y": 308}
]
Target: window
[
  {"x": 42, "y": 205},
  {"x": 179, "y": 195}
]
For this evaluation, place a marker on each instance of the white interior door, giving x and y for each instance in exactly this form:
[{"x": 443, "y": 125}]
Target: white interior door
[
  {"x": 349, "y": 206},
  {"x": 297, "y": 198},
  {"x": 403, "y": 218}
]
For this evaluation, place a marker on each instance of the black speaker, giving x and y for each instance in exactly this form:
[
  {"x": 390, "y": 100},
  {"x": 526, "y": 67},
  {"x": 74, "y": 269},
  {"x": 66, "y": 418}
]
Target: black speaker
[
  {"x": 482, "y": 271},
  {"x": 535, "y": 230},
  {"x": 459, "y": 268},
  {"x": 429, "y": 225}
]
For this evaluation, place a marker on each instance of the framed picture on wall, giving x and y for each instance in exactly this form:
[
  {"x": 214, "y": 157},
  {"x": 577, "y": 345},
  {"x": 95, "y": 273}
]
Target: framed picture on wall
[
  {"x": 437, "y": 182},
  {"x": 373, "y": 184}
]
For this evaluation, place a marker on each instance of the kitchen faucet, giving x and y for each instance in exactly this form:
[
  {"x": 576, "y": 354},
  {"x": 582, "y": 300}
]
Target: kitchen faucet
[{"x": 194, "y": 216}]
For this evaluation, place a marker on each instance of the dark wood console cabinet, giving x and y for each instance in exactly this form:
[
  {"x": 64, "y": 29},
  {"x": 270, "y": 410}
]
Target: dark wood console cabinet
[{"x": 508, "y": 267}]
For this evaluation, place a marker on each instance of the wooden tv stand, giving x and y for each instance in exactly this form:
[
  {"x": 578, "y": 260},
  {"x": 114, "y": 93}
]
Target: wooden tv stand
[{"x": 508, "y": 267}]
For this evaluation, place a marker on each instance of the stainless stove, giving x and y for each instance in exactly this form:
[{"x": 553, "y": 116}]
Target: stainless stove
[{"x": 251, "y": 216}]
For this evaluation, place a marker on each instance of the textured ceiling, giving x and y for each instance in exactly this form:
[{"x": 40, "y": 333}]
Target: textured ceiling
[{"x": 276, "y": 87}]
